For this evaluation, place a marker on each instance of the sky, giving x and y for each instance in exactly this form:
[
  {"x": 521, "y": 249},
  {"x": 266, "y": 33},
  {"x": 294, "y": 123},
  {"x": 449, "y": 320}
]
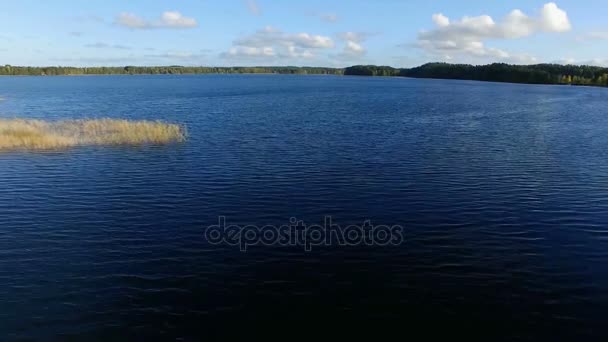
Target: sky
[{"x": 333, "y": 33}]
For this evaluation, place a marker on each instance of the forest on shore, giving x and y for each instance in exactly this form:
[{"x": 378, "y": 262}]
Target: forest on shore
[
  {"x": 497, "y": 72},
  {"x": 9, "y": 70}
]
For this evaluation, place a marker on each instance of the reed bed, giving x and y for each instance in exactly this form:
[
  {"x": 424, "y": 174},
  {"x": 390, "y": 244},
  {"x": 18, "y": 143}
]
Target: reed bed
[{"x": 22, "y": 134}]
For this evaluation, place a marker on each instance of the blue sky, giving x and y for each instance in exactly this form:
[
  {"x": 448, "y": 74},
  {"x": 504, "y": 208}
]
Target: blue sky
[{"x": 316, "y": 33}]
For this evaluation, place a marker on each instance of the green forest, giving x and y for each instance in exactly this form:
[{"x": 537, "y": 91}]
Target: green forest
[
  {"x": 9, "y": 70},
  {"x": 498, "y": 72}
]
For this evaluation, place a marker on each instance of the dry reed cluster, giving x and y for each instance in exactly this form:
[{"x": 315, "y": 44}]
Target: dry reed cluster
[{"x": 18, "y": 134}]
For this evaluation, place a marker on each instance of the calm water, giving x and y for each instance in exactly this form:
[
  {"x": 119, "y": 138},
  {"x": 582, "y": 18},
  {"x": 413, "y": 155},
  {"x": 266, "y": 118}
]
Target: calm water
[{"x": 502, "y": 190}]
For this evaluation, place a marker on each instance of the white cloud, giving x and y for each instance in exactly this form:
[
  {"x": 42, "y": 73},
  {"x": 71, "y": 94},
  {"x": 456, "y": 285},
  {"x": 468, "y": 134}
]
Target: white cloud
[
  {"x": 357, "y": 37},
  {"x": 353, "y": 48},
  {"x": 516, "y": 25},
  {"x": 554, "y": 19},
  {"x": 351, "y": 51},
  {"x": 272, "y": 36},
  {"x": 309, "y": 41},
  {"x": 441, "y": 20},
  {"x": 253, "y": 7},
  {"x": 168, "y": 19},
  {"x": 131, "y": 20},
  {"x": 464, "y": 39},
  {"x": 248, "y": 51},
  {"x": 294, "y": 52},
  {"x": 275, "y": 45},
  {"x": 176, "y": 19}
]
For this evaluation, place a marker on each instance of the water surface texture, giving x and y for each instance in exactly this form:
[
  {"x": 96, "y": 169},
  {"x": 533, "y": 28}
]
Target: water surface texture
[{"x": 502, "y": 190}]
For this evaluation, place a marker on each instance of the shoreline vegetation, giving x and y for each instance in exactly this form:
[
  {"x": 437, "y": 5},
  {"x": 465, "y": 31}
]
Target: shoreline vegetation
[
  {"x": 497, "y": 72},
  {"x": 582, "y": 75},
  {"x": 25, "y": 134}
]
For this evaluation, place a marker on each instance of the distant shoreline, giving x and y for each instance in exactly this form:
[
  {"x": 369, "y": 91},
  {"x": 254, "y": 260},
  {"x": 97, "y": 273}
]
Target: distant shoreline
[
  {"x": 9, "y": 70},
  {"x": 182, "y": 74},
  {"x": 550, "y": 74}
]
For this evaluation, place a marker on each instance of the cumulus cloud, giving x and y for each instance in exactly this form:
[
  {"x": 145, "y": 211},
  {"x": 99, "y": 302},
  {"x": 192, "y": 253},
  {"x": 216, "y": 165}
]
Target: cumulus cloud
[
  {"x": 441, "y": 20},
  {"x": 294, "y": 52},
  {"x": 272, "y": 42},
  {"x": 465, "y": 37},
  {"x": 554, "y": 19},
  {"x": 353, "y": 48},
  {"x": 253, "y": 7},
  {"x": 270, "y": 36},
  {"x": 168, "y": 19}
]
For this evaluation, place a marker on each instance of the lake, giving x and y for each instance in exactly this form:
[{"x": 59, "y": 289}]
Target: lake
[{"x": 501, "y": 191}]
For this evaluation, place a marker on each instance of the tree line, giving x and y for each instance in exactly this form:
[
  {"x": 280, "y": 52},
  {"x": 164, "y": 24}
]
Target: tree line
[
  {"x": 497, "y": 72},
  {"x": 9, "y": 70}
]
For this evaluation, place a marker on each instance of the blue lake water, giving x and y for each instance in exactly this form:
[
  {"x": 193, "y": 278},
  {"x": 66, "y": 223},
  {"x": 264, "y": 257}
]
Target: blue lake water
[{"x": 502, "y": 191}]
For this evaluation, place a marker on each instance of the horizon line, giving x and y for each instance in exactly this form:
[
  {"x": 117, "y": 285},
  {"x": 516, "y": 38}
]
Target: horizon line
[{"x": 290, "y": 66}]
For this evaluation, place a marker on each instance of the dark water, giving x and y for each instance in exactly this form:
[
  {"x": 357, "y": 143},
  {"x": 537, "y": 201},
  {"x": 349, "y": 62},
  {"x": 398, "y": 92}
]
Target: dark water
[{"x": 502, "y": 191}]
